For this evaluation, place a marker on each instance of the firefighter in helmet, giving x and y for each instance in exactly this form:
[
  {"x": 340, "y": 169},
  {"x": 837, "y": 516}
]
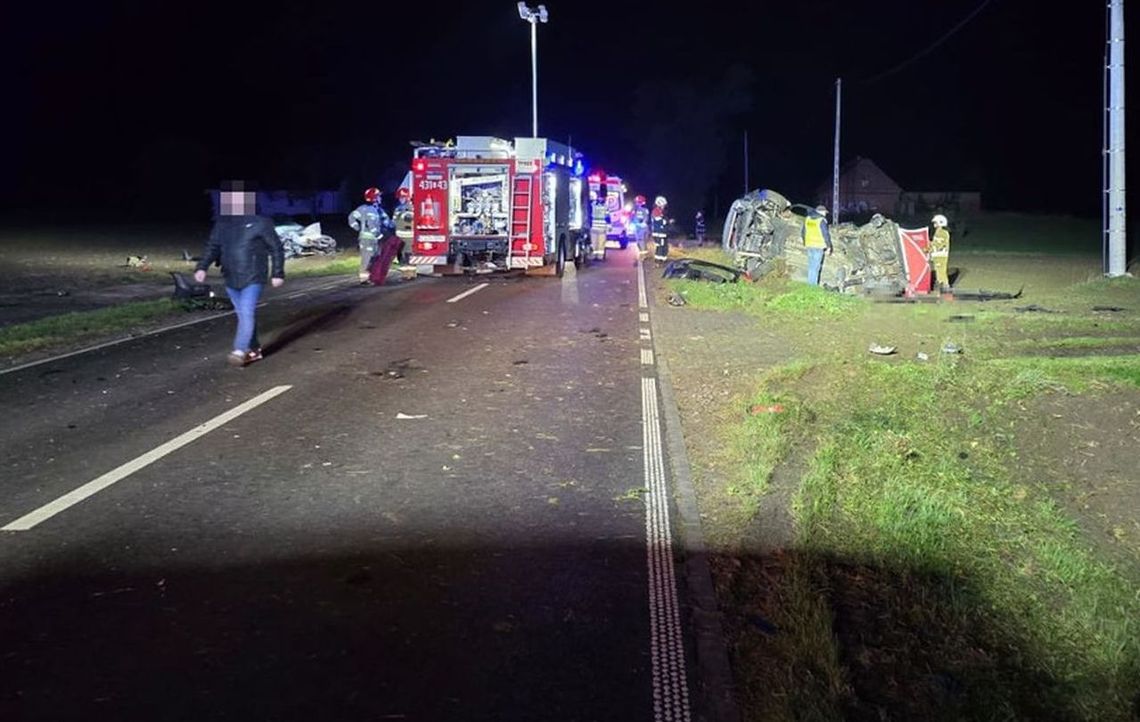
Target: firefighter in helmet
[
  {"x": 599, "y": 224},
  {"x": 640, "y": 223},
  {"x": 659, "y": 223},
  {"x": 940, "y": 252},
  {"x": 370, "y": 222},
  {"x": 402, "y": 217}
]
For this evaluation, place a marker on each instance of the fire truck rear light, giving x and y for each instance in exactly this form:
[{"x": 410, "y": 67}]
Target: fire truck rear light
[
  {"x": 418, "y": 165},
  {"x": 428, "y": 246},
  {"x": 528, "y": 247}
]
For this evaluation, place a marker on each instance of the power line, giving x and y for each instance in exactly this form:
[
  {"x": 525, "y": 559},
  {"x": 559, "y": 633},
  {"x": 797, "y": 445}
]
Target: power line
[{"x": 930, "y": 48}]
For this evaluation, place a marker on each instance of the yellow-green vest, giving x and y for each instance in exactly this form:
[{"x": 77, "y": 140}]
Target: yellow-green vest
[{"x": 813, "y": 233}]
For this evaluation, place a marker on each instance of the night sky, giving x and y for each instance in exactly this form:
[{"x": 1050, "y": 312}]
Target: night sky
[{"x": 131, "y": 109}]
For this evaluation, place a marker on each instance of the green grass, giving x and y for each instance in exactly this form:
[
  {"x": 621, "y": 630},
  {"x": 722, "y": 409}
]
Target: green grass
[
  {"x": 776, "y": 299},
  {"x": 1028, "y": 234},
  {"x": 340, "y": 266},
  {"x": 913, "y": 490},
  {"x": 69, "y": 327}
]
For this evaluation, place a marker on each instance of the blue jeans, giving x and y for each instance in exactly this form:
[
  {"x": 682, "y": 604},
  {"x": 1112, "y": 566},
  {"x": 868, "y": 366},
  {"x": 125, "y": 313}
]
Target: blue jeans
[
  {"x": 815, "y": 265},
  {"x": 245, "y": 304}
]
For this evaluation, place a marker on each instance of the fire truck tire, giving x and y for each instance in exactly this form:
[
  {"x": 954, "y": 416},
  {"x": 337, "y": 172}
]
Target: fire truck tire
[
  {"x": 579, "y": 260},
  {"x": 560, "y": 259}
]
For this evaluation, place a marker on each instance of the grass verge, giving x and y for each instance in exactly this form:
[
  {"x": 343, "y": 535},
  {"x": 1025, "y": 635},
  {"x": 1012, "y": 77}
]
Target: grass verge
[
  {"x": 926, "y": 583},
  {"x": 70, "y": 327},
  {"x": 310, "y": 267}
]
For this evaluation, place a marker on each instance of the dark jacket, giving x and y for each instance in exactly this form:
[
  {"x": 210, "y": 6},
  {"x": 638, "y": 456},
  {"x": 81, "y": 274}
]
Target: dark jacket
[{"x": 244, "y": 245}]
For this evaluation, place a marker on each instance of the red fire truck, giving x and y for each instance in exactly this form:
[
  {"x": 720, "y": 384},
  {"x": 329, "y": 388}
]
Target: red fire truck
[{"x": 485, "y": 204}]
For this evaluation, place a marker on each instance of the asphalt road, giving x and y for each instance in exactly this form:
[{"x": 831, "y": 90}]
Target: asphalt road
[{"x": 316, "y": 555}]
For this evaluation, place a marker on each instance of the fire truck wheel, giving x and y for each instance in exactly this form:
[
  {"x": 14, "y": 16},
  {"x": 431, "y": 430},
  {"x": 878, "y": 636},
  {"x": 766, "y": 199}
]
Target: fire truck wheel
[{"x": 560, "y": 260}]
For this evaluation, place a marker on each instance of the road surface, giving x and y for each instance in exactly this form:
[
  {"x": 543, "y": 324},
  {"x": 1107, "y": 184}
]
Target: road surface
[{"x": 432, "y": 501}]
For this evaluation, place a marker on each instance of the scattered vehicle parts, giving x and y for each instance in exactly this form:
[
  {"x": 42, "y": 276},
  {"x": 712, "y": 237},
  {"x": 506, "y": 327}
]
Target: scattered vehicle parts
[
  {"x": 193, "y": 295},
  {"x": 984, "y": 295},
  {"x": 1033, "y": 308},
  {"x": 951, "y": 347},
  {"x": 307, "y": 240},
  {"x": 698, "y": 270},
  {"x": 881, "y": 350},
  {"x": 1113, "y": 309},
  {"x": 961, "y": 318}
]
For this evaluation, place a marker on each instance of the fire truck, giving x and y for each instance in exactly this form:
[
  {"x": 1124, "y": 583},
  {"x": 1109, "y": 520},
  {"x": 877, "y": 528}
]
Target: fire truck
[{"x": 485, "y": 204}]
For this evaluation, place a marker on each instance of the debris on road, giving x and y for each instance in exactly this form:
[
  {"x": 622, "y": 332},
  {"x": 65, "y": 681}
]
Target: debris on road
[
  {"x": 401, "y": 415},
  {"x": 881, "y": 350},
  {"x": 765, "y": 409},
  {"x": 922, "y": 356},
  {"x": 951, "y": 347},
  {"x": 1033, "y": 308}
]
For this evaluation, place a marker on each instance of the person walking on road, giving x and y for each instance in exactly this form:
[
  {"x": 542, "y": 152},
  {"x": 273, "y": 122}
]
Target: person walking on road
[
  {"x": 817, "y": 239},
  {"x": 940, "y": 252},
  {"x": 245, "y": 244},
  {"x": 370, "y": 222}
]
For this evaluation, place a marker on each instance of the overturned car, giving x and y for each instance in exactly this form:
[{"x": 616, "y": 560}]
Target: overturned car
[{"x": 763, "y": 228}]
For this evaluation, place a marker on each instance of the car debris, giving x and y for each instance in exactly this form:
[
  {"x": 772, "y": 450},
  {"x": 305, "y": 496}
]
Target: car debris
[
  {"x": 1033, "y": 308},
  {"x": 881, "y": 350},
  {"x": 1111, "y": 309},
  {"x": 676, "y": 299},
  {"x": 960, "y": 318},
  {"x": 984, "y": 295},
  {"x": 697, "y": 270},
  {"x": 198, "y": 296},
  {"x": 951, "y": 348},
  {"x": 299, "y": 240}
]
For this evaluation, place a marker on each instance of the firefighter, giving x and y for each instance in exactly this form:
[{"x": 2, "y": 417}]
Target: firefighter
[
  {"x": 817, "y": 240},
  {"x": 598, "y": 226},
  {"x": 940, "y": 252},
  {"x": 659, "y": 222},
  {"x": 700, "y": 228},
  {"x": 370, "y": 222},
  {"x": 402, "y": 217},
  {"x": 640, "y": 224}
]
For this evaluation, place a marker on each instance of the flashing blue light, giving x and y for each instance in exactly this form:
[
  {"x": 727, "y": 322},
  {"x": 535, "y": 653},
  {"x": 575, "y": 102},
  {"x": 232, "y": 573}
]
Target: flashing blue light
[{"x": 579, "y": 168}]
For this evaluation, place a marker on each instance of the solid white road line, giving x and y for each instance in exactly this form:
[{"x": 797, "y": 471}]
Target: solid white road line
[
  {"x": 666, "y": 642},
  {"x": 667, "y": 648},
  {"x": 467, "y": 293},
  {"x": 642, "y": 300},
  {"x": 94, "y": 486}
]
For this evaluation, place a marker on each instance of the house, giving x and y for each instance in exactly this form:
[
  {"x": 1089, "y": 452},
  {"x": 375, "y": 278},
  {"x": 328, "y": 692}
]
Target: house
[{"x": 865, "y": 188}]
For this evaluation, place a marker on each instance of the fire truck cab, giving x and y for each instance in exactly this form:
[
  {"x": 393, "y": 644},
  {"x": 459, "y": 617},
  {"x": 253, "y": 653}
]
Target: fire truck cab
[{"x": 485, "y": 204}]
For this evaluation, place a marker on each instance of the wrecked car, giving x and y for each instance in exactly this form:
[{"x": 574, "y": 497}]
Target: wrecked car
[{"x": 762, "y": 232}]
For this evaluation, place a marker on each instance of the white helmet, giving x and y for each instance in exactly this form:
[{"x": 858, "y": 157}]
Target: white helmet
[
  {"x": 660, "y": 201},
  {"x": 939, "y": 221}
]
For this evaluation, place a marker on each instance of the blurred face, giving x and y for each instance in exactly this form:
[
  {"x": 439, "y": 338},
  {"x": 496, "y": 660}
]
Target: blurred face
[{"x": 238, "y": 203}]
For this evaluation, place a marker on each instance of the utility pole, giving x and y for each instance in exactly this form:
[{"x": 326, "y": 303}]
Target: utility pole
[
  {"x": 835, "y": 165},
  {"x": 1116, "y": 217}
]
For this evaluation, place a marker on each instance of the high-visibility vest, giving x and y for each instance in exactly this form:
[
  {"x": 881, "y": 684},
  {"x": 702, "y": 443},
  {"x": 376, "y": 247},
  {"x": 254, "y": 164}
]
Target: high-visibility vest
[{"x": 813, "y": 233}]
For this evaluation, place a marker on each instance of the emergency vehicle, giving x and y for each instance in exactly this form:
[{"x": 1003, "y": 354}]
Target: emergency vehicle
[
  {"x": 612, "y": 189},
  {"x": 485, "y": 204}
]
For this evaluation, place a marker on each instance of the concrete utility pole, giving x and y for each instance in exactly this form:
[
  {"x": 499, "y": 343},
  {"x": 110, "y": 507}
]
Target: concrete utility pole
[
  {"x": 835, "y": 168},
  {"x": 1116, "y": 217}
]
